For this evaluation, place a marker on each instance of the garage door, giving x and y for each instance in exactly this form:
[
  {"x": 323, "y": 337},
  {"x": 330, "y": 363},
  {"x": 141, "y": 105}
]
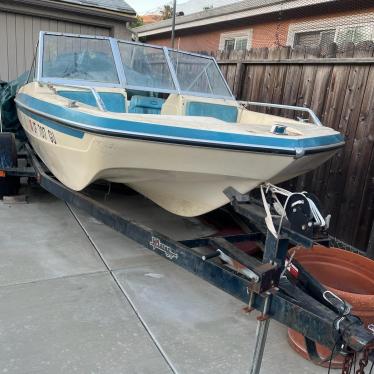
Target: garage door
[{"x": 18, "y": 37}]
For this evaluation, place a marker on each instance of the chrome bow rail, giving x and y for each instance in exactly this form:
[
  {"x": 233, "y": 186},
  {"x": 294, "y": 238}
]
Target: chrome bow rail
[{"x": 312, "y": 115}]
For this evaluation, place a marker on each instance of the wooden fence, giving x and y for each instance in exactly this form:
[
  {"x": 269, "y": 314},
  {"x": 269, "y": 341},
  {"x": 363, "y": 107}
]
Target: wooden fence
[{"x": 339, "y": 87}]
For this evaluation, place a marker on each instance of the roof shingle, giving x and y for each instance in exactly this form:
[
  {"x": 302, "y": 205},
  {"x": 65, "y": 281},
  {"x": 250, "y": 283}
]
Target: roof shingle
[
  {"x": 237, "y": 7},
  {"x": 225, "y": 9},
  {"x": 116, "y": 5}
]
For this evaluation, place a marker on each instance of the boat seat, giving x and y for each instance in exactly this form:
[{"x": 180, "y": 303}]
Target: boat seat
[
  {"x": 223, "y": 112},
  {"x": 113, "y": 101},
  {"x": 145, "y": 105}
]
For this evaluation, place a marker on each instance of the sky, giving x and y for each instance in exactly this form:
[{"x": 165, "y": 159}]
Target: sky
[{"x": 144, "y": 6}]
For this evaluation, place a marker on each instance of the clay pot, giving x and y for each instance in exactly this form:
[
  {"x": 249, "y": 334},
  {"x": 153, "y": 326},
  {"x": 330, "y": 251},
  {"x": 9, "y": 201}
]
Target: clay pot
[{"x": 348, "y": 275}]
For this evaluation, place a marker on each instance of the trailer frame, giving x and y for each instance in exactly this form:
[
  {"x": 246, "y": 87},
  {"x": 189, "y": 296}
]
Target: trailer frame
[{"x": 269, "y": 291}]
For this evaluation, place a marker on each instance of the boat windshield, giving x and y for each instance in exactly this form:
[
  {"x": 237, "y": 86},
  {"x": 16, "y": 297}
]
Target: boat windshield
[
  {"x": 146, "y": 66},
  {"x": 198, "y": 74},
  {"x": 72, "y": 58},
  {"x": 102, "y": 61}
]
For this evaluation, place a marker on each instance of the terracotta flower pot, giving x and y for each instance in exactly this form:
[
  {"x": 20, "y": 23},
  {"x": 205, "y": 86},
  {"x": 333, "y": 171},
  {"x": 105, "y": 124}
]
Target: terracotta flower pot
[{"x": 348, "y": 275}]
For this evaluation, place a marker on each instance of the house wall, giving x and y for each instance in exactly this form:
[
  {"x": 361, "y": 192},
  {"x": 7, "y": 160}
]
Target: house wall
[
  {"x": 264, "y": 34},
  {"x": 196, "y": 41},
  {"x": 20, "y": 26}
]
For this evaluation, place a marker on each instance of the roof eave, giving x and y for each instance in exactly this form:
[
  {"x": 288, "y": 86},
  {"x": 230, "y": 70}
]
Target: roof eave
[
  {"x": 152, "y": 29},
  {"x": 82, "y": 9}
]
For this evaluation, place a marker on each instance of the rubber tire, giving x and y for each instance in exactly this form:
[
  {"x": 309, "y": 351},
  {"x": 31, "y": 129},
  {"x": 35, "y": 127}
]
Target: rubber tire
[{"x": 9, "y": 186}]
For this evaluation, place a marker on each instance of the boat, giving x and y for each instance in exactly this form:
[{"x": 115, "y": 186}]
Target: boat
[{"x": 161, "y": 121}]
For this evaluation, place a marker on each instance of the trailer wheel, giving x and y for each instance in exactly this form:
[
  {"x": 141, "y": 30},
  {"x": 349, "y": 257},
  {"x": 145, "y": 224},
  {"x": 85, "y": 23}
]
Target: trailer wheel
[{"x": 8, "y": 158}]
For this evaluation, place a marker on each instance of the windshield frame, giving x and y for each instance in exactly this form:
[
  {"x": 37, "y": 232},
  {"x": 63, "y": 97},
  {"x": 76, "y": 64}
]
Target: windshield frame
[{"x": 114, "y": 44}]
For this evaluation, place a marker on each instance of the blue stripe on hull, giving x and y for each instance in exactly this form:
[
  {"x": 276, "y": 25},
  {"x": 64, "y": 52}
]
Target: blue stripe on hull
[
  {"x": 54, "y": 125},
  {"x": 174, "y": 132}
]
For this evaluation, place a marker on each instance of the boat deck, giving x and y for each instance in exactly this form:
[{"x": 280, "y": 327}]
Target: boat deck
[{"x": 77, "y": 296}]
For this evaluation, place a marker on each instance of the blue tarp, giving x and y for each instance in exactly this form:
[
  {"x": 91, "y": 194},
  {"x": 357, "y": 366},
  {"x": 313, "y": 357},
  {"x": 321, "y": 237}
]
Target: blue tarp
[{"x": 8, "y": 113}]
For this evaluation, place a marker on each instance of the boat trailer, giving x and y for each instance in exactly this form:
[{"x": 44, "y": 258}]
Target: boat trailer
[{"x": 276, "y": 286}]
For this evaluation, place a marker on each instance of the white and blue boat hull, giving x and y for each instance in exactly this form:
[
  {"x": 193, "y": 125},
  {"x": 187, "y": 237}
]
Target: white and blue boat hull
[{"x": 181, "y": 165}]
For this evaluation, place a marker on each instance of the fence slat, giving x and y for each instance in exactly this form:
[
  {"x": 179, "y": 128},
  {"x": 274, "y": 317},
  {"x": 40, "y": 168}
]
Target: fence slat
[
  {"x": 257, "y": 75},
  {"x": 239, "y": 71},
  {"x": 304, "y": 98},
  {"x": 269, "y": 77},
  {"x": 280, "y": 79},
  {"x": 318, "y": 104},
  {"x": 231, "y": 70},
  {"x": 248, "y": 74},
  {"x": 293, "y": 81}
]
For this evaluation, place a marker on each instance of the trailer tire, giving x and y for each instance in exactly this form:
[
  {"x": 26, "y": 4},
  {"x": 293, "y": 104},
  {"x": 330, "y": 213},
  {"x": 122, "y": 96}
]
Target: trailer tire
[{"x": 8, "y": 158}]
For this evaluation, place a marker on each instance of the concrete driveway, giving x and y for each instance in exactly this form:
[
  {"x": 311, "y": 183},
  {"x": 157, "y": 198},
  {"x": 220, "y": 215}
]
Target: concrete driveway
[{"x": 75, "y": 296}]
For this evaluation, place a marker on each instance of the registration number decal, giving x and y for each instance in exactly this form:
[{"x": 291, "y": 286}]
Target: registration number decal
[{"x": 42, "y": 132}]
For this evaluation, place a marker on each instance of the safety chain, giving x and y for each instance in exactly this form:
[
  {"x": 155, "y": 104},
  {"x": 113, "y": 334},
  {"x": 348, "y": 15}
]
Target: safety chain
[
  {"x": 364, "y": 360},
  {"x": 347, "y": 364}
]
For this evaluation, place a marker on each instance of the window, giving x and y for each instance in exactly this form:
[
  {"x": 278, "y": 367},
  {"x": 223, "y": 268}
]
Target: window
[
  {"x": 354, "y": 34},
  {"x": 321, "y": 38},
  {"x": 238, "y": 41},
  {"x": 327, "y": 37},
  {"x": 340, "y": 35},
  {"x": 241, "y": 44},
  {"x": 323, "y": 32},
  {"x": 229, "y": 45},
  {"x": 237, "y": 44}
]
